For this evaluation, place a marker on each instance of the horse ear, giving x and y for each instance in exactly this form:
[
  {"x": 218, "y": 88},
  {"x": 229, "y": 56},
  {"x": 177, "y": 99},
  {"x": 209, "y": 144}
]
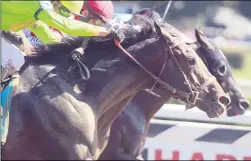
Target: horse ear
[
  {"x": 200, "y": 35},
  {"x": 162, "y": 33},
  {"x": 158, "y": 30},
  {"x": 202, "y": 39}
]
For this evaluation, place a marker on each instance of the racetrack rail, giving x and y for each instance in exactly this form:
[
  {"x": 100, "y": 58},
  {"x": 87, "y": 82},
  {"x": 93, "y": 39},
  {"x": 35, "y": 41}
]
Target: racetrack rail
[{"x": 177, "y": 112}]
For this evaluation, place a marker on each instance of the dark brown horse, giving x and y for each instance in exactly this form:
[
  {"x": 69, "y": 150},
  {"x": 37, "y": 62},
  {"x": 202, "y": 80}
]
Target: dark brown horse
[
  {"x": 55, "y": 114},
  {"x": 129, "y": 130}
]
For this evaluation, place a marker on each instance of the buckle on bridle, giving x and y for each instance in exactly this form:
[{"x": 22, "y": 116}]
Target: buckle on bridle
[{"x": 193, "y": 98}]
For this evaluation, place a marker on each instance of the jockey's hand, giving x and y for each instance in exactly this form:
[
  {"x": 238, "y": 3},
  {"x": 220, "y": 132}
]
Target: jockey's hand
[{"x": 115, "y": 33}]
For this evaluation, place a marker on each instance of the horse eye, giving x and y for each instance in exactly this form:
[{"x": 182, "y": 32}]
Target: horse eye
[
  {"x": 191, "y": 61},
  {"x": 221, "y": 70}
]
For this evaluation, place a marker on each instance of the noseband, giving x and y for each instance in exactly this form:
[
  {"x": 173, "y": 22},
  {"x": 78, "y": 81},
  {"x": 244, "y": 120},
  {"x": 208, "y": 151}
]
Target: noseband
[{"x": 190, "y": 96}]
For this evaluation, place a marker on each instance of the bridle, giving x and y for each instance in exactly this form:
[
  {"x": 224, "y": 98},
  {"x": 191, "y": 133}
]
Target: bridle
[{"x": 190, "y": 96}]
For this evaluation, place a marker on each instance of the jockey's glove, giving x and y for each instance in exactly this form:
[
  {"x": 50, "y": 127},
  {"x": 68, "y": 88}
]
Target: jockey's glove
[{"x": 115, "y": 33}]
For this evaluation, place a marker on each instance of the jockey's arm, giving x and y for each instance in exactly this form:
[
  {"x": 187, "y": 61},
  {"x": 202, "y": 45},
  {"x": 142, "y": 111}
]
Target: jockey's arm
[
  {"x": 69, "y": 26},
  {"x": 44, "y": 33}
]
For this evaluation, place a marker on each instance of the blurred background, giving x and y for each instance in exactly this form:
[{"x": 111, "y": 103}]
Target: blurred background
[
  {"x": 178, "y": 135},
  {"x": 227, "y": 23}
]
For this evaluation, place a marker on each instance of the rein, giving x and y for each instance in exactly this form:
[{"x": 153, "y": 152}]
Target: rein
[{"x": 191, "y": 97}]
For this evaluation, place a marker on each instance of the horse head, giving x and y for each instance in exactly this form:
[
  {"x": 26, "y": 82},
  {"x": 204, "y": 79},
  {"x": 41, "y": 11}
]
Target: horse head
[
  {"x": 204, "y": 91},
  {"x": 218, "y": 65}
]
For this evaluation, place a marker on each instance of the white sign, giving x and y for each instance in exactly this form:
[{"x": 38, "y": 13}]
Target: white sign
[{"x": 168, "y": 150}]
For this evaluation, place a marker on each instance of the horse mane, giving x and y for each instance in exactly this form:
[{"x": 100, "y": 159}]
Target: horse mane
[{"x": 69, "y": 43}]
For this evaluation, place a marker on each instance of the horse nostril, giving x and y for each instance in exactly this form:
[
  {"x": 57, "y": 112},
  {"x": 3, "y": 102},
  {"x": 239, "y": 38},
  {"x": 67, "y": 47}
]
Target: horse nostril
[
  {"x": 244, "y": 104},
  {"x": 224, "y": 100}
]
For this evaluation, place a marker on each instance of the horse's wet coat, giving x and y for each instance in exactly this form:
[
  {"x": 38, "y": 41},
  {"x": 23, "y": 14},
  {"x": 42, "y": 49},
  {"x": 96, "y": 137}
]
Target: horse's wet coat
[{"x": 55, "y": 114}]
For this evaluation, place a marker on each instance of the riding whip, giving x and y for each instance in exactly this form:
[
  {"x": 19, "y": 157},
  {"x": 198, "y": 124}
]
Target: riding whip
[{"x": 167, "y": 8}]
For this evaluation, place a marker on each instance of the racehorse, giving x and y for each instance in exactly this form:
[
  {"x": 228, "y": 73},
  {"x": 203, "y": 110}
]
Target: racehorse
[
  {"x": 129, "y": 130},
  {"x": 55, "y": 114}
]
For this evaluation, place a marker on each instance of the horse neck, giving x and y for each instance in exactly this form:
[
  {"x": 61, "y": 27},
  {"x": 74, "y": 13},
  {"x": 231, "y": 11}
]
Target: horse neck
[
  {"x": 150, "y": 104},
  {"x": 107, "y": 119},
  {"x": 110, "y": 89}
]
